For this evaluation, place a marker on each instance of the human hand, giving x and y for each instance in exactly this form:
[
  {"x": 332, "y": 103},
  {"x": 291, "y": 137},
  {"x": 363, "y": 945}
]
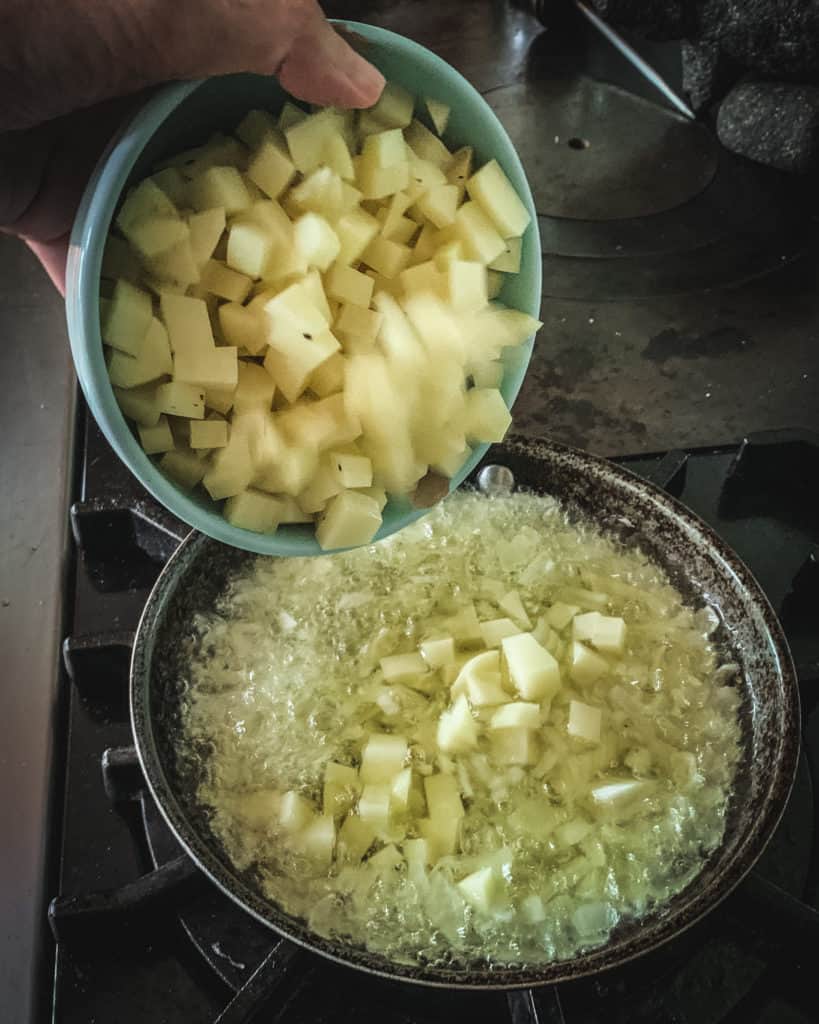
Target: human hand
[{"x": 72, "y": 71}]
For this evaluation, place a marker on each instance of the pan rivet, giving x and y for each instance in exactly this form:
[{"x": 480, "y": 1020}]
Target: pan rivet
[{"x": 495, "y": 480}]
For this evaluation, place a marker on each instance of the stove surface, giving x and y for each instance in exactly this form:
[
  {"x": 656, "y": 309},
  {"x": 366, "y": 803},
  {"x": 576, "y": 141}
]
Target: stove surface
[{"x": 142, "y": 936}]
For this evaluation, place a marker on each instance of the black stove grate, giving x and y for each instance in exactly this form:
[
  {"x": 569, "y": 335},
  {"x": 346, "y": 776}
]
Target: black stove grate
[{"x": 749, "y": 960}]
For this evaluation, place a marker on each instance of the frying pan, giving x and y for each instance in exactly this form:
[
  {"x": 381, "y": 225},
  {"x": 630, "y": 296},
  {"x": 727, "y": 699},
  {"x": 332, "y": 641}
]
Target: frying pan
[{"x": 624, "y": 507}]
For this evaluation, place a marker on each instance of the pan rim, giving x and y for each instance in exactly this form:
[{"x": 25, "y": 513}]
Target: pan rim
[{"x": 658, "y": 927}]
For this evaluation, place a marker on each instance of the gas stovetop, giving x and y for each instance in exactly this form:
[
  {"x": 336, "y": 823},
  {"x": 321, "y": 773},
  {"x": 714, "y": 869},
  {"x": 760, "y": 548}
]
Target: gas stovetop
[{"x": 142, "y": 936}]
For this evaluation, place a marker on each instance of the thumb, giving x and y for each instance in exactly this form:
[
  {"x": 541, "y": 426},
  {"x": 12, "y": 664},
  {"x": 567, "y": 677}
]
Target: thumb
[{"x": 322, "y": 68}]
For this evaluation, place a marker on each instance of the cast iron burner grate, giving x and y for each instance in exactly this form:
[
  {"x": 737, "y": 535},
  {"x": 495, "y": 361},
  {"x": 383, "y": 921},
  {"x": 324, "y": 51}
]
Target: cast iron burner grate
[{"x": 748, "y": 961}]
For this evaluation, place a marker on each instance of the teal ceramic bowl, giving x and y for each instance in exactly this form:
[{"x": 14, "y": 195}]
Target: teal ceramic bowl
[{"x": 185, "y": 114}]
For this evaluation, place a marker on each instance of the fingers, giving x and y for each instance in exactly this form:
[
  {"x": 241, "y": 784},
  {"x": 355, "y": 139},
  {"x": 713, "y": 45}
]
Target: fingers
[
  {"x": 322, "y": 68},
  {"x": 52, "y": 256}
]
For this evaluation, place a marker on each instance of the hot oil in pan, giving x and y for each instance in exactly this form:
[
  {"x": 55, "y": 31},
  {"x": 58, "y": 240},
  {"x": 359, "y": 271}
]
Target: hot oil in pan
[{"x": 285, "y": 677}]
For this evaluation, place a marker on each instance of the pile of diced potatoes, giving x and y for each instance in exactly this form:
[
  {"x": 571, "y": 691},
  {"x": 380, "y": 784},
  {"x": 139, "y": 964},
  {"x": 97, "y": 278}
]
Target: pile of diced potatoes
[
  {"x": 502, "y": 676},
  {"x": 300, "y": 319}
]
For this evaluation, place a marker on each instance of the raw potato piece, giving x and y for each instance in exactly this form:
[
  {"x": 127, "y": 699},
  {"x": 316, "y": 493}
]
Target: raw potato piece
[
  {"x": 394, "y": 107},
  {"x": 213, "y": 368},
  {"x": 478, "y": 233},
  {"x": 224, "y": 282},
  {"x": 271, "y": 169},
  {"x": 487, "y": 417},
  {"x": 482, "y": 889},
  {"x": 437, "y": 653},
  {"x": 315, "y": 241},
  {"x": 493, "y": 190},
  {"x": 208, "y": 433},
  {"x": 586, "y": 666},
  {"x": 221, "y": 186},
  {"x": 349, "y": 520},
  {"x": 158, "y": 438},
  {"x": 355, "y": 837},
  {"x": 186, "y": 468},
  {"x": 493, "y": 632},
  {"x": 606, "y": 633},
  {"x": 438, "y": 113},
  {"x": 530, "y": 668},
  {"x": 127, "y": 318},
  {"x": 253, "y": 510},
  {"x": 457, "y": 730},
  {"x": 382, "y": 757},
  {"x": 584, "y": 721},
  {"x": 293, "y": 356},
  {"x": 509, "y": 260},
  {"x": 181, "y": 400},
  {"x": 399, "y": 668},
  {"x": 187, "y": 322},
  {"x": 249, "y": 249}
]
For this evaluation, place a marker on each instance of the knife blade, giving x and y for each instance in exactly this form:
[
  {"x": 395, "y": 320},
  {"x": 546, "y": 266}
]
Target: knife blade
[{"x": 636, "y": 61}]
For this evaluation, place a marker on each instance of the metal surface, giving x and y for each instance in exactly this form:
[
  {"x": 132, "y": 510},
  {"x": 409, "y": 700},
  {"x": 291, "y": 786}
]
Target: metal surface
[
  {"x": 636, "y": 61},
  {"x": 602, "y": 153},
  {"x": 36, "y": 424}
]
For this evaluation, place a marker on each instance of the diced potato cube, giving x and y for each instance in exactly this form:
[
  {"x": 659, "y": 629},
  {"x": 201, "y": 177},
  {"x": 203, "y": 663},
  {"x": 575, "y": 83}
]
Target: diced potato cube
[
  {"x": 350, "y": 519},
  {"x": 315, "y": 241},
  {"x": 466, "y": 628},
  {"x": 249, "y": 248},
  {"x": 144, "y": 201},
  {"x": 383, "y": 757},
  {"x": 355, "y": 837},
  {"x": 157, "y": 438},
  {"x": 270, "y": 169},
  {"x": 493, "y": 190},
  {"x": 336, "y": 155},
  {"x": 482, "y": 889},
  {"x": 255, "y": 388},
  {"x": 394, "y": 107},
  {"x": 386, "y": 257},
  {"x": 242, "y": 327},
  {"x": 185, "y": 468},
  {"x": 586, "y": 665},
  {"x": 351, "y": 471},
  {"x": 253, "y": 510},
  {"x": 439, "y": 204},
  {"x": 496, "y": 629},
  {"x": 120, "y": 260},
  {"x": 153, "y": 360},
  {"x": 467, "y": 286},
  {"x": 441, "y": 834},
  {"x": 349, "y": 286},
  {"x": 374, "y": 806},
  {"x": 480, "y": 679},
  {"x": 426, "y": 145},
  {"x": 293, "y": 356},
  {"x": 438, "y": 113},
  {"x": 437, "y": 653},
  {"x": 208, "y": 433},
  {"x": 417, "y": 853},
  {"x": 394, "y": 212},
  {"x": 295, "y": 812},
  {"x": 178, "y": 399},
  {"x": 290, "y": 115},
  {"x": 379, "y": 182},
  {"x": 515, "y": 746},
  {"x": 213, "y": 368},
  {"x": 398, "y": 668},
  {"x": 494, "y": 283},
  {"x": 220, "y": 186},
  {"x": 530, "y": 668},
  {"x": 355, "y": 230},
  {"x": 386, "y": 859},
  {"x": 328, "y": 379},
  {"x": 400, "y": 789},
  {"x": 322, "y": 192},
  {"x": 478, "y": 233},
  {"x": 532, "y": 909},
  {"x": 219, "y": 151},
  {"x": 487, "y": 416},
  {"x": 307, "y": 139},
  {"x": 187, "y": 322},
  {"x": 457, "y": 730},
  {"x": 127, "y": 318},
  {"x": 176, "y": 267},
  {"x": 385, "y": 149},
  {"x": 257, "y": 125},
  {"x": 443, "y": 797},
  {"x": 423, "y": 277},
  {"x": 293, "y": 470},
  {"x": 224, "y": 282},
  {"x": 560, "y": 615},
  {"x": 584, "y": 721},
  {"x": 231, "y": 469},
  {"x": 402, "y": 231},
  {"x": 487, "y": 374},
  {"x": 517, "y": 715},
  {"x": 358, "y": 325},
  {"x": 317, "y": 841},
  {"x": 425, "y": 245},
  {"x": 378, "y": 494},
  {"x": 606, "y": 633},
  {"x": 157, "y": 235},
  {"x": 296, "y": 308},
  {"x": 513, "y": 606},
  {"x": 460, "y": 168},
  {"x": 509, "y": 260},
  {"x": 139, "y": 404},
  {"x": 341, "y": 788}
]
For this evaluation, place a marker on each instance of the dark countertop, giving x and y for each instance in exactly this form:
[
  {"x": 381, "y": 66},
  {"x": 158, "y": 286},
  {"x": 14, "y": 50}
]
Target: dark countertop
[{"x": 651, "y": 340}]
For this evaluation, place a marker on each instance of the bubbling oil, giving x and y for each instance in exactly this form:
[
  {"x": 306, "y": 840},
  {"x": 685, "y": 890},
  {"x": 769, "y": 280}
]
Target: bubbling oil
[{"x": 283, "y": 678}]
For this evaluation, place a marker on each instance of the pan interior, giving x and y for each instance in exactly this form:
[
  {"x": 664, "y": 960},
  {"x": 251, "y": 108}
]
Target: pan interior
[{"x": 622, "y": 507}]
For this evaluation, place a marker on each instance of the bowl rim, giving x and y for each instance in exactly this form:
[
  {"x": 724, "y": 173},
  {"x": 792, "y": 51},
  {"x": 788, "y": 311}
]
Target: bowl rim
[{"x": 83, "y": 271}]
